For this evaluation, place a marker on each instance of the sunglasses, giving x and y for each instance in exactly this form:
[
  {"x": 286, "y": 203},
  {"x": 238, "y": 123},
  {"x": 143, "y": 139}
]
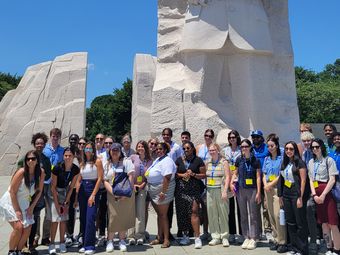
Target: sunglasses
[
  {"x": 186, "y": 148},
  {"x": 209, "y": 136},
  {"x": 289, "y": 149},
  {"x": 153, "y": 143},
  {"x": 108, "y": 142},
  {"x": 31, "y": 159},
  {"x": 245, "y": 146},
  {"x": 232, "y": 137},
  {"x": 88, "y": 150},
  {"x": 81, "y": 143},
  {"x": 315, "y": 147},
  {"x": 99, "y": 138}
]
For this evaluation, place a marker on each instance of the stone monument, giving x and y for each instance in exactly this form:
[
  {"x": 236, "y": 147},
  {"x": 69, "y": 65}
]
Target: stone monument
[
  {"x": 223, "y": 64},
  {"x": 50, "y": 94}
]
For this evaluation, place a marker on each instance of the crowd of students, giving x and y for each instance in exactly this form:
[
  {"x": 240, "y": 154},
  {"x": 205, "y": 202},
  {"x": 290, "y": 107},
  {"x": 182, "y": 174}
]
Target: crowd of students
[{"x": 248, "y": 191}]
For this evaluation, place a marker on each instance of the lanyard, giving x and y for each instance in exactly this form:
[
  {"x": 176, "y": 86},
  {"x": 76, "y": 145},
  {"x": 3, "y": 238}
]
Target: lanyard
[
  {"x": 316, "y": 167},
  {"x": 288, "y": 168},
  {"x": 142, "y": 167},
  {"x": 66, "y": 179},
  {"x": 248, "y": 167},
  {"x": 187, "y": 164},
  {"x": 213, "y": 168},
  {"x": 157, "y": 161}
]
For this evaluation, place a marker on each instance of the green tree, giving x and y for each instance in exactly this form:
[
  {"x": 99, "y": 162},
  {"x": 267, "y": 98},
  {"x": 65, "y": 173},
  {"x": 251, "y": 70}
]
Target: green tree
[
  {"x": 8, "y": 82},
  {"x": 110, "y": 114},
  {"x": 318, "y": 94}
]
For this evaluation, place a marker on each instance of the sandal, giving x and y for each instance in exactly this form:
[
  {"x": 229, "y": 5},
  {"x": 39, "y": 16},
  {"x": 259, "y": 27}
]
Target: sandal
[
  {"x": 155, "y": 242},
  {"x": 165, "y": 245}
]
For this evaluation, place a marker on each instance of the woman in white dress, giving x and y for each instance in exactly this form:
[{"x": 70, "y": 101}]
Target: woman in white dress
[{"x": 17, "y": 204}]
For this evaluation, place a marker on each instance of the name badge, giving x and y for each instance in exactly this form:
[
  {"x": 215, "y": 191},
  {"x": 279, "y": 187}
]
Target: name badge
[
  {"x": 147, "y": 173},
  {"x": 140, "y": 179},
  {"x": 249, "y": 181},
  {"x": 272, "y": 178},
  {"x": 232, "y": 168},
  {"x": 211, "y": 182},
  {"x": 315, "y": 184},
  {"x": 288, "y": 184}
]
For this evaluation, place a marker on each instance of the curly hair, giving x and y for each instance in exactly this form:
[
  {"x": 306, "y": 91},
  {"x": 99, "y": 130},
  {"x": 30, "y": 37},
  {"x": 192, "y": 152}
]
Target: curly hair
[{"x": 37, "y": 136}]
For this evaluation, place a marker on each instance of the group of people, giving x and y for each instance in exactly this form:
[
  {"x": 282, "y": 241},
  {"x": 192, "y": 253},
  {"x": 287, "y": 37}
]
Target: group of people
[{"x": 249, "y": 190}]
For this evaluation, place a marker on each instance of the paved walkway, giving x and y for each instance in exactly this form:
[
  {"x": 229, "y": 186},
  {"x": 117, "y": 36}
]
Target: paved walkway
[{"x": 5, "y": 231}]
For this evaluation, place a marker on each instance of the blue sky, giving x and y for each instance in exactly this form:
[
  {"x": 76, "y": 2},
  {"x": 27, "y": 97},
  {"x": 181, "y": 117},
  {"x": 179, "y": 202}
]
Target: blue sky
[{"x": 113, "y": 31}]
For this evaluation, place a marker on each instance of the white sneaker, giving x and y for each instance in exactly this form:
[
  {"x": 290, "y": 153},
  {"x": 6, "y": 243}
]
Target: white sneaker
[
  {"x": 140, "y": 241},
  {"x": 185, "y": 240},
  {"x": 198, "y": 243},
  {"x": 131, "y": 241},
  {"x": 82, "y": 250},
  {"x": 251, "y": 245},
  {"x": 122, "y": 246},
  {"x": 214, "y": 242},
  {"x": 225, "y": 242},
  {"x": 109, "y": 246},
  {"x": 68, "y": 241},
  {"x": 62, "y": 248},
  {"x": 51, "y": 249},
  {"x": 89, "y": 252},
  {"x": 245, "y": 243}
]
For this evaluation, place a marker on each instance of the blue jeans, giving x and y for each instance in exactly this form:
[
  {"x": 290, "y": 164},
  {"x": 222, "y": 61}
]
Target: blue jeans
[{"x": 88, "y": 214}]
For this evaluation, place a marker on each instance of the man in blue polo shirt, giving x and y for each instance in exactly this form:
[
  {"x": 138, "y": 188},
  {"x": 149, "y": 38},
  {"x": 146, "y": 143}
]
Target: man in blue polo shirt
[
  {"x": 261, "y": 151},
  {"x": 54, "y": 152}
]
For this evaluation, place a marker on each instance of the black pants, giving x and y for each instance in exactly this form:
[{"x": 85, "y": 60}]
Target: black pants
[
  {"x": 232, "y": 217},
  {"x": 71, "y": 215},
  {"x": 297, "y": 224},
  {"x": 170, "y": 213},
  {"x": 102, "y": 211}
]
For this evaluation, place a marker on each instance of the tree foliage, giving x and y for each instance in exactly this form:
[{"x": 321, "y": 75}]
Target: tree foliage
[
  {"x": 110, "y": 114},
  {"x": 8, "y": 82},
  {"x": 319, "y": 94}
]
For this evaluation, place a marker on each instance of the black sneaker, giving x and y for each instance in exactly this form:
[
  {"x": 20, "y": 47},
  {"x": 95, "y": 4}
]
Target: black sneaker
[
  {"x": 45, "y": 241},
  {"x": 273, "y": 246},
  {"x": 282, "y": 248}
]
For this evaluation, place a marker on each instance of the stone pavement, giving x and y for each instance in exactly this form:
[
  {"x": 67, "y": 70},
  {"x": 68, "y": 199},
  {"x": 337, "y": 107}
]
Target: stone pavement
[{"x": 175, "y": 248}]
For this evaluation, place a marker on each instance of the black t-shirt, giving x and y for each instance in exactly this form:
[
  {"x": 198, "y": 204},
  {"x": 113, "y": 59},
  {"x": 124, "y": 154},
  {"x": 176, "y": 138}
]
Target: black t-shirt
[
  {"x": 64, "y": 178},
  {"x": 247, "y": 169},
  {"x": 193, "y": 164}
]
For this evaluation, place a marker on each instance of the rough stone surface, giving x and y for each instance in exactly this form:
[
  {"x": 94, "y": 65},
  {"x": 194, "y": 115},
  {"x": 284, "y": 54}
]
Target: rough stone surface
[
  {"x": 50, "y": 94},
  {"x": 224, "y": 64}
]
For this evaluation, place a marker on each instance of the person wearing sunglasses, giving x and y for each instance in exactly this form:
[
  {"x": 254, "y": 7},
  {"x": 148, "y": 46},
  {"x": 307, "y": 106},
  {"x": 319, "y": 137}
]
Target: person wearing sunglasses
[
  {"x": 271, "y": 173},
  {"x": 18, "y": 202},
  {"x": 64, "y": 178},
  {"x": 293, "y": 195},
  {"x": 99, "y": 141},
  {"x": 126, "y": 149},
  {"x": 190, "y": 172},
  {"x": 231, "y": 152},
  {"x": 91, "y": 176},
  {"x": 246, "y": 185},
  {"x": 152, "y": 143},
  {"x": 322, "y": 173}
]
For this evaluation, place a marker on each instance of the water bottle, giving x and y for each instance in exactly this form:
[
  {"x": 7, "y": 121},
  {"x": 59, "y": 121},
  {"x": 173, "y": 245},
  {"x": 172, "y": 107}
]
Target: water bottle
[{"x": 282, "y": 217}]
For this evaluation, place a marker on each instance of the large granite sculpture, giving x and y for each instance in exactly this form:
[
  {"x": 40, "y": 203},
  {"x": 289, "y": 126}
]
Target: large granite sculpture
[
  {"x": 50, "y": 94},
  {"x": 224, "y": 64}
]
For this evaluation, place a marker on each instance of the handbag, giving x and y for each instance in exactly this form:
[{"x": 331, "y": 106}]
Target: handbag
[
  {"x": 336, "y": 187},
  {"x": 121, "y": 186},
  {"x": 336, "y": 190}
]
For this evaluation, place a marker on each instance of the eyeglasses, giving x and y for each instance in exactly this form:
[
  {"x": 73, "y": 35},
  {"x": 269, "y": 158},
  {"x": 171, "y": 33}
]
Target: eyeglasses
[
  {"x": 108, "y": 142},
  {"x": 245, "y": 146},
  {"x": 315, "y": 147},
  {"x": 99, "y": 138},
  {"x": 81, "y": 143},
  {"x": 31, "y": 159},
  {"x": 186, "y": 148},
  {"x": 232, "y": 137},
  {"x": 289, "y": 149},
  {"x": 88, "y": 150},
  {"x": 209, "y": 136}
]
